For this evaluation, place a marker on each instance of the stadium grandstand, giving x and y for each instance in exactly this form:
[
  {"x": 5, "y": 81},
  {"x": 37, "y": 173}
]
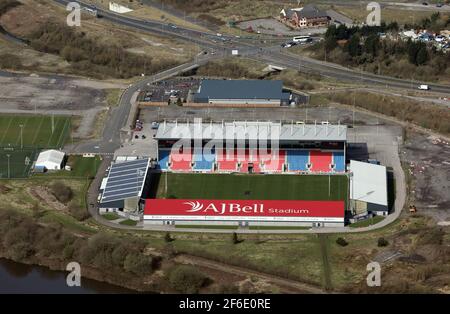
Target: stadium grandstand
[{"x": 251, "y": 147}]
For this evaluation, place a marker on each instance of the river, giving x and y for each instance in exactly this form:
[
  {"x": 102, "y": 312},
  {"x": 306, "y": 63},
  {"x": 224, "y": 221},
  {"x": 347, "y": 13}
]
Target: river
[{"x": 21, "y": 278}]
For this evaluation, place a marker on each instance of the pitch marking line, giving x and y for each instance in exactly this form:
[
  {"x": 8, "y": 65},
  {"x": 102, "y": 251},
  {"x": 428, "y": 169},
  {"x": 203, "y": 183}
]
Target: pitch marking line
[
  {"x": 6, "y": 131},
  {"x": 59, "y": 144},
  {"x": 37, "y": 132}
]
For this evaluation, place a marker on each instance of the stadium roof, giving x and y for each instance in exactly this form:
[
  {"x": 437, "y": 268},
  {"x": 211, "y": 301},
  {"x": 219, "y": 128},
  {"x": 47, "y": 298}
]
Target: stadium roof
[
  {"x": 369, "y": 183},
  {"x": 125, "y": 180},
  {"x": 252, "y": 130},
  {"x": 239, "y": 89}
]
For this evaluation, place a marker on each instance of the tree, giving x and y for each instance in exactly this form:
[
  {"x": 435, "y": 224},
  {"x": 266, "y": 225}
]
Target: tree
[
  {"x": 330, "y": 44},
  {"x": 353, "y": 47},
  {"x": 422, "y": 56},
  {"x": 372, "y": 44},
  {"x": 342, "y": 32}
]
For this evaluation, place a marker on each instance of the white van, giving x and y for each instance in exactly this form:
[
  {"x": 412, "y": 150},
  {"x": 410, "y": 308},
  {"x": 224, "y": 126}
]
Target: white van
[{"x": 424, "y": 87}]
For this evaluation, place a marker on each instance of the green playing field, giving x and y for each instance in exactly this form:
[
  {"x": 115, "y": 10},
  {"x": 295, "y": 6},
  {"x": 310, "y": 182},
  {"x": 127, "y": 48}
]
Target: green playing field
[
  {"x": 16, "y": 163},
  {"x": 37, "y": 131},
  {"x": 250, "y": 186}
]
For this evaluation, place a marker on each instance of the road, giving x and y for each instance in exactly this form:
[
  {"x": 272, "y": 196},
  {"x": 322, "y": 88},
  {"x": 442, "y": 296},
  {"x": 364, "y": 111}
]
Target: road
[
  {"x": 117, "y": 119},
  {"x": 263, "y": 52},
  {"x": 286, "y": 285}
]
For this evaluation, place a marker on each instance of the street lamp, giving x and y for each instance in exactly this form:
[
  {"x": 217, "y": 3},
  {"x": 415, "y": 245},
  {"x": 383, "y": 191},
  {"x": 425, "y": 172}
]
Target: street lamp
[
  {"x": 21, "y": 136},
  {"x": 9, "y": 175}
]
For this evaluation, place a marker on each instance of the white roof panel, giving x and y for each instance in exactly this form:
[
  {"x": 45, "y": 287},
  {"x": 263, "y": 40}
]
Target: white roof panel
[
  {"x": 368, "y": 183},
  {"x": 252, "y": 130}
]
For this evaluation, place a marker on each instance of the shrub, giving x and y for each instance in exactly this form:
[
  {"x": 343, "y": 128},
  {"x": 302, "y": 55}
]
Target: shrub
[
  {"x": 382, "y": 242},
  {"x": 234, "y": 238},
  {"x": 138, "y": 264},
  {"x": 62, "y": 192},
  {"x": 78, "y": 212},
  {"x": 90, "y": 56},
  {"x": 226, "y": 68},
  {"x": 186, "y": 279},
  {"x": 341, "y": 241},
  {"x": 167, "y": 237},
  {"x": 10, "y": 61}
]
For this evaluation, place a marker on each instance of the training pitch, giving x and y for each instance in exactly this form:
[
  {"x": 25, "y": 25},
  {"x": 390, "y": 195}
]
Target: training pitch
[
  {"x": 33, "y": 131},
  {"x": 249, "y": 186},
  {"x": 18, "y": 164}
]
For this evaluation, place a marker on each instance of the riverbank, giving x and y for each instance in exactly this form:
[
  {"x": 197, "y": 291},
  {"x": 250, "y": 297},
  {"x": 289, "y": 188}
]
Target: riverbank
[
  {"x": 18, "y": 278},
  {"x": 88, "y": 273},
  {"x": 103, "y": 257}
]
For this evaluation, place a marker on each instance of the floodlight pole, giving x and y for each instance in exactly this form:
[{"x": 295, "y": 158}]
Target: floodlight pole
[
  {"x": 9, "y": 174},
  {"x": 21, "y": 136}
]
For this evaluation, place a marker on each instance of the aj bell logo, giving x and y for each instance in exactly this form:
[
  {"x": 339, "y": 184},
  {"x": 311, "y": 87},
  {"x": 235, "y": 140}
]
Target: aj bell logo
[
  {"x": 223, "y": 208},
  {"x": 195, "y": 206}
]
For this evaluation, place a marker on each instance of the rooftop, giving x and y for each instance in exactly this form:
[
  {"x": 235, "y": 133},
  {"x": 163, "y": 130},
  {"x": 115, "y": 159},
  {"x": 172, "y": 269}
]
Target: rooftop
[
  {"x": 369, "y": 183},
  {"x": 239, "y": 89},
  {"x": 50, "y": 155},
  {"x": 251, "y": 130},
  {"x": 125, "y": 180}
]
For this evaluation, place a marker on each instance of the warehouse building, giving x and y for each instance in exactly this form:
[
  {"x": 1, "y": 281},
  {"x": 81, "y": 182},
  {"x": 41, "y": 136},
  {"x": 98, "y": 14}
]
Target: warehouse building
[
  {"x": 235, "y": 93},
  {"x": 368, "y": 188}
]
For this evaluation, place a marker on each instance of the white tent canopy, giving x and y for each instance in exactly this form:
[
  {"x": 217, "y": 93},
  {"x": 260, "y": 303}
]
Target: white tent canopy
[{"x": 50, "y": 159}]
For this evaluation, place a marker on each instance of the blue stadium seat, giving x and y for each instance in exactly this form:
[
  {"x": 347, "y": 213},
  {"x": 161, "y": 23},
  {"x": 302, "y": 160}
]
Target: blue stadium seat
[
  {"x": 297, "y": 160},
  {"x": 339, "y": 161},
  {"x": 163, "y": 159},
  {"x": 203, "y": 161}
]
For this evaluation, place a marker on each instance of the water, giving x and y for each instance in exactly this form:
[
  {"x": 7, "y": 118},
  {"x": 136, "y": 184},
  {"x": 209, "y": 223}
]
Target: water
[{"x": 21, "y": 278}]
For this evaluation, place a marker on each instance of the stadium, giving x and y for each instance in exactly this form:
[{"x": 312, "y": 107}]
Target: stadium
[{"x": 247, "y": 174}]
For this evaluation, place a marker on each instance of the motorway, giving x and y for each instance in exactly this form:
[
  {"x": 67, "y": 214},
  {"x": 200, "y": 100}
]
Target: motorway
[{"x": 263, "y": 52}]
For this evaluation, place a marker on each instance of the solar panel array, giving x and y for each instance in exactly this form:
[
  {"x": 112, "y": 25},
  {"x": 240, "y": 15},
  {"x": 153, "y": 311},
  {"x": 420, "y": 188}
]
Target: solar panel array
[{"x": 125, "y": 180}]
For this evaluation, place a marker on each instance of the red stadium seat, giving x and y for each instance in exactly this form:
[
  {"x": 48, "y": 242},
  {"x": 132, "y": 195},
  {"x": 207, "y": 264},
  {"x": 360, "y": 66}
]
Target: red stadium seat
[
  {"x": 181, "y": 161},
  {"x": 273, "y": 161},
  {"x": 226, "y": 162},
  {"x": 320, "y": 161},
  {"x": 249, "y": 158}
]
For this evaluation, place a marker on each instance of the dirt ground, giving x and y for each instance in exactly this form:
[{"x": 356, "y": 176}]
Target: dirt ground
[
  {"x": 33, "y": 94},
  {"x": 428, "y": 160}
]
